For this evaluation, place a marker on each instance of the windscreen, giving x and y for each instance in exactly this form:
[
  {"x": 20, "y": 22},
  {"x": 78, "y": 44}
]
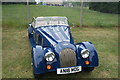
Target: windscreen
[{"x": 46, "y": 21}]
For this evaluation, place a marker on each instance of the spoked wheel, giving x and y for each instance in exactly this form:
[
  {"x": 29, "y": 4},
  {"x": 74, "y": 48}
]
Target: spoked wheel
[{"x": 88, "y": 69}]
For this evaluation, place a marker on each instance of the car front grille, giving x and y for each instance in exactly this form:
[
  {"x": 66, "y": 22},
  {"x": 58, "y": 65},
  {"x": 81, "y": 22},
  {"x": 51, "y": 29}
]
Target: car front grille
[{"x": 67, "y": 58}]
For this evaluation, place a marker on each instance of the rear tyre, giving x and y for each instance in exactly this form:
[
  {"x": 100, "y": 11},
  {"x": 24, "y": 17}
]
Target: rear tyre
[{"x": 88, "y": 69}]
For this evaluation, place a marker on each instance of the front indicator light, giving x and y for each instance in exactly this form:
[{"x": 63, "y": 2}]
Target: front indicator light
[
  {"x": 87, "y": 62},
  {"x": 49, "y": 67}
]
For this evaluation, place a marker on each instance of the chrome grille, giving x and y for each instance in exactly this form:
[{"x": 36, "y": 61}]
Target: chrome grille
[{"x": 67, "y": 58}]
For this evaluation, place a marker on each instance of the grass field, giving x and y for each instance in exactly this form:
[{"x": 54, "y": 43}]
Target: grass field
[
  {"x": 16, "y": 15},
  {"x": 16, "y": 49}
]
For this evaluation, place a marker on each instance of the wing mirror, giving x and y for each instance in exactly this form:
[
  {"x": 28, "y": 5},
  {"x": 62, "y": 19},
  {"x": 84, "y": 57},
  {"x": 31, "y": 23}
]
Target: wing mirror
[{"x": 29, "y": 25}]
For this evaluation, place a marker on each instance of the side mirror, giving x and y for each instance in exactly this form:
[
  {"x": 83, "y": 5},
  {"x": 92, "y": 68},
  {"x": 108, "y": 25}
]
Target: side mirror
[{"x": 29, "y": 25}]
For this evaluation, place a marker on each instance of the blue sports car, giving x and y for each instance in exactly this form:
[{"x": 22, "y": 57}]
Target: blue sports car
[{"x": 53, "y": 48}]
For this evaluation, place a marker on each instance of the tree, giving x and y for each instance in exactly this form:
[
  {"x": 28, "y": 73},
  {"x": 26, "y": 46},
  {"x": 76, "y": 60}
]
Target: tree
[{"x": 106, "y": 7}]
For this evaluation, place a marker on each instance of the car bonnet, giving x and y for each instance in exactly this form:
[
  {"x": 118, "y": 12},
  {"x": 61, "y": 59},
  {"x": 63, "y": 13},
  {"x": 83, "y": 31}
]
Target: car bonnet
[{"x": 56, "y": 34}]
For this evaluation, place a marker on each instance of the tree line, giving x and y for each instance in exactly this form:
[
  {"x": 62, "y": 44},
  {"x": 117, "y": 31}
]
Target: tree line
[
  {"x": 106, "y": 7},
  {"x": 11, "y": 3}
]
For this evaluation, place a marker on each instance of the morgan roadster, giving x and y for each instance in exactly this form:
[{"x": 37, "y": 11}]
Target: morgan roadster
[{"x": 53, "y": 48}]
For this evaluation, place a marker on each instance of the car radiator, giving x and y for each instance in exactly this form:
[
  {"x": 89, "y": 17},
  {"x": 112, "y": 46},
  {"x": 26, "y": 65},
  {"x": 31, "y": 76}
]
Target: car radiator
[{"x": 67, "y": 58}]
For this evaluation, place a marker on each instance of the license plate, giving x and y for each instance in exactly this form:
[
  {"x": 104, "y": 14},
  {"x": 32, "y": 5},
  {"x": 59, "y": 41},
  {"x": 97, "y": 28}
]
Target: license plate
[{"x": 69, "y": 70}]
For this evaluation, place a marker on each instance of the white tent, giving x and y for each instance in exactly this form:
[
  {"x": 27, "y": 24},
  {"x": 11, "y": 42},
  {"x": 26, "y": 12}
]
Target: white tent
[{"x": 37, "y": 1}]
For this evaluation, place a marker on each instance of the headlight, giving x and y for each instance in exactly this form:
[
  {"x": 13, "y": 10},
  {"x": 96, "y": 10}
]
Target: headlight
[
  {"x": 49, "y": 56},
  {"x": 85, "y": 53}
]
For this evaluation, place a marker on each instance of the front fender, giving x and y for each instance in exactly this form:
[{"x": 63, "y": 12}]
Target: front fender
[
  {"x": 38, "y": 60},
  {"x": 93, "y": 58}
]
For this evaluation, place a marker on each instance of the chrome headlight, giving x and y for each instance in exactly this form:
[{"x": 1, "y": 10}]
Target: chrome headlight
[
  {"x": 49, "y": 56},
  {"x": 85, "y": 53}
]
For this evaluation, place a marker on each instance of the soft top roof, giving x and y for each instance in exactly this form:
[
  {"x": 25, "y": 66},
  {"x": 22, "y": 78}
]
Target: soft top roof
[{"x": 49, "y": 21}]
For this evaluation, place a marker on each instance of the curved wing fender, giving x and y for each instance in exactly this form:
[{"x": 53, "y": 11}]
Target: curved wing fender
[
  {"x": 30, "y": 30},
  {"x": 93, "y": 57},
  {"x": 38, "y": 60},
  {"x": 30, "y": 34}
]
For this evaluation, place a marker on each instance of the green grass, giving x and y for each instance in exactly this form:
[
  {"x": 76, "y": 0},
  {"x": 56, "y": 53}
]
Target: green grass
[
  {"x": 16, "y": 57},
  {"x": 16, "y": 15}
]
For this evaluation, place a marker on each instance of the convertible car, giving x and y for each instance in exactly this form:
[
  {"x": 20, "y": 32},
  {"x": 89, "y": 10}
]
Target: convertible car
[{"x": 53, "y": 48}]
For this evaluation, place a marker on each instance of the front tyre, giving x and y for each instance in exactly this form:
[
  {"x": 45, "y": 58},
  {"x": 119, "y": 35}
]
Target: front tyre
[
  {"x": 38, "y": 76},
  {"x": 88, "y": 69}
]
